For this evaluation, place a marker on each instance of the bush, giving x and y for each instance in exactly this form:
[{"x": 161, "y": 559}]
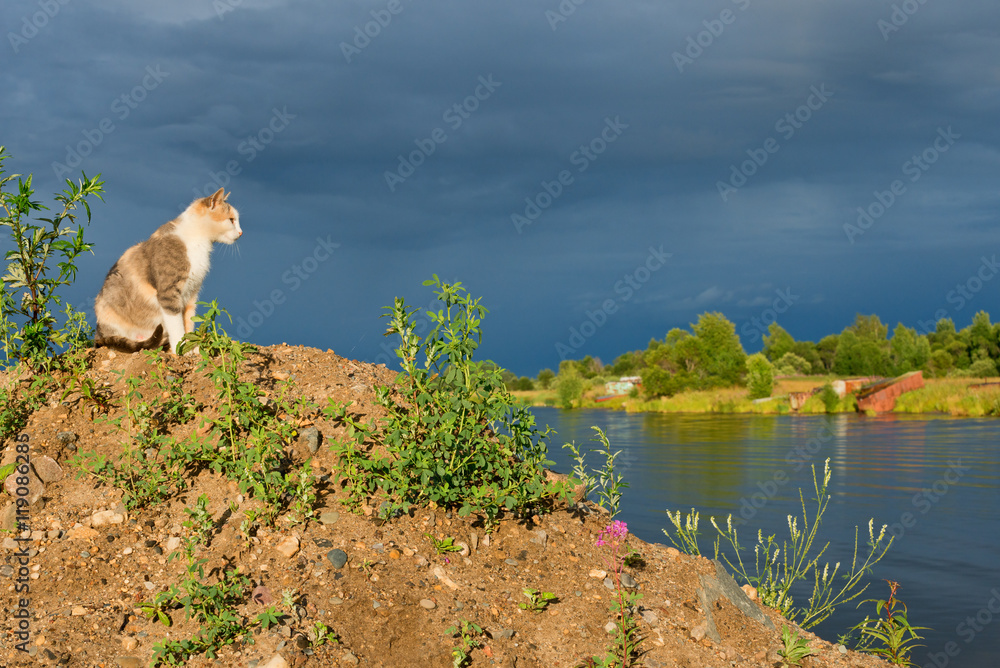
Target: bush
[
  {"x": 454, "y": 436},
  {"x": 985, "y": 368},
  {"x": 760, "y": 376},
  {"x": 829, "y": 398},
  {"x": 569, "y": 388},
  {"x": 791, "y": 364}
]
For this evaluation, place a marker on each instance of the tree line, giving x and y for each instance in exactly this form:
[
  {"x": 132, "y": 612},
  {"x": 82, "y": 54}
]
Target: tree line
[{"x": 710, "y": 355}]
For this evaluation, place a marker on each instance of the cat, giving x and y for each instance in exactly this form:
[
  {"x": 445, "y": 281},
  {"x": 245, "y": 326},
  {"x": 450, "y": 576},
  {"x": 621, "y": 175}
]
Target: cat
[{"x": 148, "y": 298}]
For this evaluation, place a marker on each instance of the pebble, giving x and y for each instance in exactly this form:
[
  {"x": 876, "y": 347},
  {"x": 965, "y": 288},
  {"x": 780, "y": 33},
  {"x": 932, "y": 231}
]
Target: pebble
[
  {"x": 323, "y": 542},
  {"x": 541, "y": 538},
  {"x": 699, "y": 632},
  {"x": 673, "y": 552},
  {"x": 337, "y": 557},
  {"x": 78, "y": 611},
  {"x": 428, "y": 604},
  {"x": 8, "y": 518},
  {"x": 599, "y": 574},
  {"x": 350, "y": 658},
  {"x": 842, "y": 649},
  {"x": 310, "y": 437},
  {"x": 336, "y": 600},
  {"x": 464, "y": 551},
  {"x": 173, "y": 542},
  {"x": 474, "y": 541},
  {"x": 104, "y": 517},
  {"x": 129, "y": 662},
  {"x": 46, "y": 468},
  {"x": 329, "y": 517},
  {"x": 35, "y": 487},
  {"x": 66, "y": 437},
  {"x": 628, "y": 581},
  {"x": 288, "y": 546},
  {"x": 486, "y": 540},
  {"x": 6, "y": 571},
  {"x": 127, "y": 551},
  {"x": 649, "y": 617},
  {"x": 276, "y": 661},
  {"x": 510, "y": 562},
  {"x": 52, "y": 534},
  {"x": 750, "y": 591},
  {"x": 609, "y": 583},
  {"x": 129, "y": 644},
  {"x": 610, "y": 627},
  {"x": 10, "y": 544}
]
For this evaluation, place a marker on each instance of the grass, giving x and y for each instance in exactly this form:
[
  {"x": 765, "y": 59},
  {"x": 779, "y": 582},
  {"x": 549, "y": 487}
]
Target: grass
[{"x": 958, "y": 397}]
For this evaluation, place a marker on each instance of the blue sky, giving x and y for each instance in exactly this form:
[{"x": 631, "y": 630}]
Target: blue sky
[{"x": 599, "y": 172}]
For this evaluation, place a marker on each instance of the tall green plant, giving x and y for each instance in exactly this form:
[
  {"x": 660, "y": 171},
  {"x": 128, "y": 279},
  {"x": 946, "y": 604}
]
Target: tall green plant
[
  {"x": 29, "y": 329},
  {"x": 453, "y": 434}
]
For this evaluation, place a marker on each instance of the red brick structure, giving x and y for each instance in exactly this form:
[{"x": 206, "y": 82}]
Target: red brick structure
[{"x": 881, "y": 397}]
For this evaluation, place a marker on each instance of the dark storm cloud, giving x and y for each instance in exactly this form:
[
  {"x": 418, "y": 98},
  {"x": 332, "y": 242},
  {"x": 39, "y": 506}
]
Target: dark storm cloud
[{"x": 828, "y": 104}]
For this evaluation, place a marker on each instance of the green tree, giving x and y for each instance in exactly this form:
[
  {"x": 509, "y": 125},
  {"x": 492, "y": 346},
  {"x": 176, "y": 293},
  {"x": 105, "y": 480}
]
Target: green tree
[
  {"x": 721, "y": 353},
  {"x": 791, "y": 364},
  {"x": 760, "y": 376},
  {"x": 569, "y": 386},
  {"x": 909, "y": 351},
  {"x": 869, "y": 328},
  {"x": 860, "y": 357},
  {"x": 545, "y": 378},
  {"x": 777, "y": 342},
  {"x": 808, "y": 351},
  {"x": 827, "y": 351},
  {"x": 979, "y": 338}
]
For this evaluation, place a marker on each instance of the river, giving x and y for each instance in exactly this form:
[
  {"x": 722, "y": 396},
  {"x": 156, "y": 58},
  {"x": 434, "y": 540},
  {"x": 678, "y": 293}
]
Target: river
[{"x": 935, "y": 481}]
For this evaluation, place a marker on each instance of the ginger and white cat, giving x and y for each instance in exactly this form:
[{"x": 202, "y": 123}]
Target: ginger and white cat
[{"x": 149, "y": 296}]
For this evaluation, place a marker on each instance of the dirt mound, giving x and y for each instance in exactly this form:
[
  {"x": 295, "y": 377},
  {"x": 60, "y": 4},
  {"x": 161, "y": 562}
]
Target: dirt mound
[{"x": 380, "y": 586}]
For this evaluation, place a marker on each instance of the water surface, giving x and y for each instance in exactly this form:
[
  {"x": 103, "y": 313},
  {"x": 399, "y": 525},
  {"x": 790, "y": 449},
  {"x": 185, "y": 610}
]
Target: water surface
[{"x": 935, "y": 481}]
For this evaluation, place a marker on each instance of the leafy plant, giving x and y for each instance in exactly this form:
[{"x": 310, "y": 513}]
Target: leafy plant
[
  {"x": 890, "y": 629},
  {"x": 608, "y": 484},
  {"x": 446, "y": 544},
  {"x": 453, "y": 434},
  {"x": 468, "y": 632},
  {"x": 778, "y": 565},
  {"x": 537, "y": 600},
  {"x": 760, "y": 376},
  {"x": 686, "y": 530},
  {"x": 795, "y": 648},
  {"x": 29, "y": 329},
  {"x": 624, "y": 649},
  {"x": 320, "y": 634},
  {"x": 270, "y": 617}
]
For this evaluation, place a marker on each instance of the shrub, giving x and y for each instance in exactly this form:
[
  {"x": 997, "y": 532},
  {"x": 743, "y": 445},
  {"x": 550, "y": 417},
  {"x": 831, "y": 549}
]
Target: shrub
[
  {"x": 760, "y": 376},
  {"x": 985, "y": 368},
  {"x": 829, "y": 398},
  {"x": 791, "y": 364},
  {"x": 569, "y": 388},
  {"x": 453, "y": 434}
]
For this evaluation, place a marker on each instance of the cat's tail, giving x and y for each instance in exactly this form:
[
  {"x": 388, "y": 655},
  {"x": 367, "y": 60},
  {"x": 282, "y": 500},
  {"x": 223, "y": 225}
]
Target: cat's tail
[{"x": 128, "y": 345}]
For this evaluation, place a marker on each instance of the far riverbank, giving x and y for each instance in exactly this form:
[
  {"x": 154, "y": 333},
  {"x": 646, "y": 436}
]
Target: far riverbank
[{"x": 961, "y": 397}]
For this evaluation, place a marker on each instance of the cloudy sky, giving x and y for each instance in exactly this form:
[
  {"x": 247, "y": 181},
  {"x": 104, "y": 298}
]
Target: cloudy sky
[{"x": 599, "y": 172}]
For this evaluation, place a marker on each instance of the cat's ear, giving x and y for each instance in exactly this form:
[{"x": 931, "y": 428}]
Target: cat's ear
[
  {"x": 226, "y": 197},
  {"x": 217, "y": 199}
]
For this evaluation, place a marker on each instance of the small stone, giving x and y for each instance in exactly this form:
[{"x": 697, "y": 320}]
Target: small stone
[
  {"x": 105, "y": 517},
  {"x": 750, "y": 591},
  {"x": 599, "y": 574},
  {"x": 842, "y": 649},
  {"x": 474, "y": 541},
  {"x": 276, "y": 661},
  {"x": 510, "y": 562},
  {"x": 394, "y": 554},
  {"x": 127, "y": 551},
  {"x": 8, "y": 518},
  {"x": 421, "y": 561},
  {"x": 505, "y": 633},
  {"x": 699, "y": 632},
  {"x": 336, "y": 600},
  {"x": 173, "y": 542},
  {"x": 610, "y": 627},
  {"x": 6, "y": 571},
  {"x": 82, "y": 533},
  {"x": 649, "y": 617},
  {"x": 52, "y": 534},
  {"x": 280, "y": 375},
  {"x": 427, "y": 604},
  {"x": 464, "y": 551},
  {"x": 35, "y": 487},
  {"x": 37, "y": 535},
  {"x": 541, "y": 538},
  {"x": 129, "y": 662},
  {"x": 288, "y": 546},
  {"x": 673, "y": 552},
  {"x": 349, "y": 658},
  {"x": 46, "y": 469},
  {"x": 129, "y": 643},
  {"x": 628, "y": 581},
  {"x": 407, "y": 552},
  {"x": 78, "y": 611},
  {"x": 443, "y": 577},
  {"x": 329, "y": 517},
  {"x": 310, "y": 438},
  {"x": 66, "y": 438},
  {"x": 337, "y": 557},
  {"x": 323, "y": 542},
  {"x": 486, "y": 540},
  {"x": 609, "y": 583}
]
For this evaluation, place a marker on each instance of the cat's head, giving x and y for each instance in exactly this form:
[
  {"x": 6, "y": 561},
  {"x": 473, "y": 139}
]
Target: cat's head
[{"x": 220, "y": 220}]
